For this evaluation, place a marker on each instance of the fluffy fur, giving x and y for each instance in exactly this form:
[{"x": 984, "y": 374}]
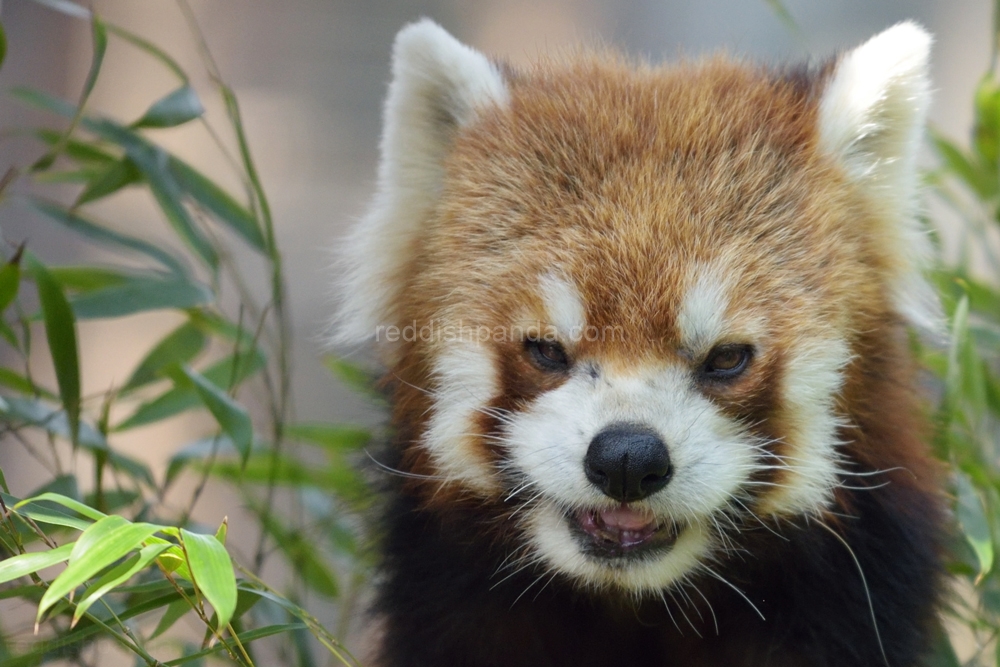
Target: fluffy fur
[{"x": 582, "y": 246}]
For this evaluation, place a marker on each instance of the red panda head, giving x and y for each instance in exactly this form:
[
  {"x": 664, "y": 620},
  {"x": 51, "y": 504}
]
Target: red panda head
[{"x": 626, "y": 308}]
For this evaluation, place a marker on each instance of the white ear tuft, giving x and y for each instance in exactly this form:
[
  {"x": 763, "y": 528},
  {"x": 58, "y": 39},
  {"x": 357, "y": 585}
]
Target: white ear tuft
[
  {"x": 871, "y": 119},
  {"x": 438, "y": 84}
]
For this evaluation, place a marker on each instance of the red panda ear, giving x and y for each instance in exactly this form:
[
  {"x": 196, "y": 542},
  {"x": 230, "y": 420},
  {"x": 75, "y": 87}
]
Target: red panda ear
[
  {"x": 871, "y": 120},
  {"x": 437, "y": 86}
]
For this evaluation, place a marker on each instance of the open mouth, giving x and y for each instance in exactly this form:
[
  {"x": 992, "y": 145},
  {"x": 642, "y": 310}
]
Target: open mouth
[{"x": 622, "y": 531}]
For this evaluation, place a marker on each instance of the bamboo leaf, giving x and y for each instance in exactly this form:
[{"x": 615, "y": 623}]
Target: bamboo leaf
[
  {"x": 213, "y": 574},
  {"x": 178, "y": 107},
  {"x": 175, "y": 611},
  {"x": 115, "y": 577},
  {"x": 18, "y": 382},
  {"x": 54, "y": 421},
  {"x": 105, "y": 236},
  {"x": 354, "y": 376},
  {"x": 60, "y": 330},
  {"x": 232, "y": 417},
  {"x": 180, "y": 346},
  {"x": 199, "y": 450},
  {"x": 111, "y": 538},
  {"x": 23, "y": 564},
  {"x": 962, "y": 167},
  {"x": 151, "y": 49},
  {"x": 244, "y": 637},
  {"x": 99, "y": 39},
  {"x": 302, "y": 555},
  {"x": 218, "y": 202},
  {"x": 10, "y": 280},
  {"x": 3, "y": 44},
  {"x": 66, "y": 502},
  {"x": 975, "y": 526},
  {"x": 228, "y": 371},
  {"x": 335, "y": 437},
  {"x": 83, "y": 152},
  {"x": 109, "y": 180},
  {"x": 140, "y": 293},
  {"x": 153, "y": 161}
]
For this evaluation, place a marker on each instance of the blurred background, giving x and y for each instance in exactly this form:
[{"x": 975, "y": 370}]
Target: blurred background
[{"x": 310, "y": 76}]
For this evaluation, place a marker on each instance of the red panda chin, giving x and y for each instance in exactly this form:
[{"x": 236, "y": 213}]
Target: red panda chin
[{"x": 623, "y": 532}]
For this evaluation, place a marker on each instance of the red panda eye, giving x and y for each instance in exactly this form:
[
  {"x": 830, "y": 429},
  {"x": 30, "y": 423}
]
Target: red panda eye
[
  {"x": 726, "y": 361},
  {"x": 549, "y": 355}
]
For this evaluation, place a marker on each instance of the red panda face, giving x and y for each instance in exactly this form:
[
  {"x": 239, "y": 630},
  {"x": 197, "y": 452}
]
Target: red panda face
[{"x": 623, "y": 306}]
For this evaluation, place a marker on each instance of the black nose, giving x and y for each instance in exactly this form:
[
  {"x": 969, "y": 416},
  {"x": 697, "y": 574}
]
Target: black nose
[{"x": 628, "y": 462}]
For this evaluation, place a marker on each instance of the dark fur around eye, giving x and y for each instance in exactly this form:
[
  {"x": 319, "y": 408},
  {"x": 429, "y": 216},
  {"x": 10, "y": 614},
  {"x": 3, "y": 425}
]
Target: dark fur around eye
[
  {"x": 726, "y": 362},
  {"x": 548, "y": 355}
]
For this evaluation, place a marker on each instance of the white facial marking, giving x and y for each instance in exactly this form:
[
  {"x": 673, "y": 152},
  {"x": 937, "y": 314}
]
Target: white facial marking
[
  {"x": 550, "y": 535},
  {"x": 711, "y": 457},
  {"x": 812, "y": 380},
  {"x": 701, "y": 319},
  {"x": 563, "y": 306},
  {"x": 466, "y": 381}
]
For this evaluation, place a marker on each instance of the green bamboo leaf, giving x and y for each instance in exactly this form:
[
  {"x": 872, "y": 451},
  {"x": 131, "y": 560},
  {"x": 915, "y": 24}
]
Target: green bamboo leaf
[
  {"x": 959, "y": 331},
  {"x": 244, "y": 637},
  {"x": 175, "y": 611},
  {"x": 100, "y": 44},
  {"x": 18, "y": 382},
  {"x": 265, "y": 467},
  {"x": 975, "y": 526},
  {"x": 168, "y": 195},
  {"x": 140, "y": 293},
  {"x": 153, "y": 162},
  {"x": 60, "y": 330},
  {"x": 87, "y": 278},
  {"x": 84, "y": 152},
  {"x": 54, "y": 421},
  {"x": 302, "y": 555},
  {"x": 99, "y": 38},
  {"x": 232, "y": 417},
  {"x": 3, "y": 482},
  {"x": 184, "y": 397},
  {"x": 199, "y": 450},
  {"x": 336, "y": 437},
  {"x": 177, "y": 108},
  {"x": 3, "y": 44},
  {"x": 151, "y": 49},
  {"x": 23, "y": 564},
  {"x": 218, "y": 202},
  {"x": 10, "y": 279},
  {"x": 180, "y": 346},
  {"x": 103, "y": 543},
  {"x": 105, "y": 236},
  {"x": 149, "y": 158},
  {"x": 8, "y": 335},
  {"x": 115, "y": 577},
  {"x": 963, "y": 168},
  {"x": 354, "y": 376},
  {"x": 213, "y": 574},
  {"x": 66, "y": 502},
  {"x": 109, "y": 180}
]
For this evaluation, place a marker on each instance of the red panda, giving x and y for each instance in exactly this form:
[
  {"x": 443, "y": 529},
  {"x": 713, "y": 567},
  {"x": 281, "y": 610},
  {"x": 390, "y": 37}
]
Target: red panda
[{"x": 645, "y": 331}]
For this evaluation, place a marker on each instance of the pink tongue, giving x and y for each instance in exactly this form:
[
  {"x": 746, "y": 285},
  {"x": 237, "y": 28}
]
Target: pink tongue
[{"x": 626, "y": 518}]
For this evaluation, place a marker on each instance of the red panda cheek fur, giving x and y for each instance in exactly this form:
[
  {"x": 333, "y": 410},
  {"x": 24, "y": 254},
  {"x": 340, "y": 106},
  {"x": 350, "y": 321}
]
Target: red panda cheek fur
[{"x": 679, "y": 208}]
